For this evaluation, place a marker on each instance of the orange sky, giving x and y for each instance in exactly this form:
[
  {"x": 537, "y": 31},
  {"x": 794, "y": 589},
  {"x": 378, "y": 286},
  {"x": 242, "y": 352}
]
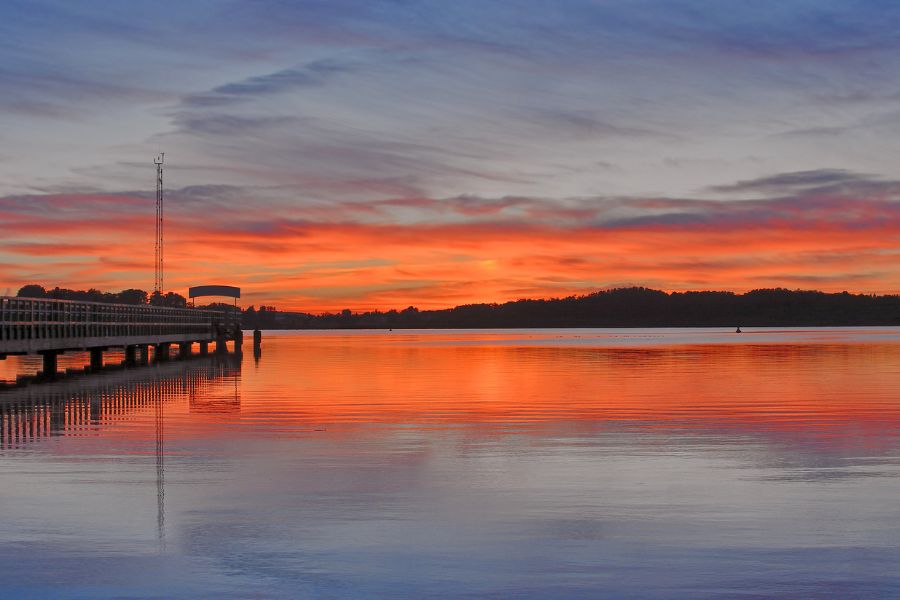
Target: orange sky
[{"x": 493, "y": 254}]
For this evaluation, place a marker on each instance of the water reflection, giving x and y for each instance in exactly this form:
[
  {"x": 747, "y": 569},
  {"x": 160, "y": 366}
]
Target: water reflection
[
  {"x": 84, "y": 406},
  {"x": 642, "y": 464},
  {"x": 816, "y": 390},
  {"x": 159, "y": 410}
]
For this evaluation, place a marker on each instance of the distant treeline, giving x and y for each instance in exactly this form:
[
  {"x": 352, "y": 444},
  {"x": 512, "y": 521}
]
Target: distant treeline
[
  {"x": 627, "y": 307},
  {"x": 624, "y": 307}
]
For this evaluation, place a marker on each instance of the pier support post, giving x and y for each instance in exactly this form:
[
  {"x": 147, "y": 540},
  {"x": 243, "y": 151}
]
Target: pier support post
[
  {"x": 238, "y": 341},
  {"x": 130, "y": 355},
  {"x": 257, "y": 344},
  {"x": 184, "y": 350},
  {"x": 96, "y": 359},
  {"x": 144, "y": 354},
  {"x": 204, "y": 348},
  {"x": 50, "y": 363},
  {"x": 161, "y": 354},
  {"x": 221, "y": 345}
]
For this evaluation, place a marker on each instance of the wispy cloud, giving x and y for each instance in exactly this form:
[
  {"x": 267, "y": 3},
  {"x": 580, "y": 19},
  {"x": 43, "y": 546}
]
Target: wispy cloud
[
  {"x": 818, "y": 180},
  {"x": 315, "y": 73},
  {"x": 58, "y": 94}
]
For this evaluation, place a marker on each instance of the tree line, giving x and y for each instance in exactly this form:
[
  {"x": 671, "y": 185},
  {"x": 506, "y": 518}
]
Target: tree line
[
  {"x": 622, "y": 307},
  {"x": 129, "y": 296}
]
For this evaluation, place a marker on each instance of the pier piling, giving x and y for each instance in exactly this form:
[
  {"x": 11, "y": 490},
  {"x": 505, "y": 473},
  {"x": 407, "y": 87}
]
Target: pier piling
[
  {"x": 96, "y": 359},
  {"x": 130, "y": 355},
  {"x": 161, "y": 353},
  {"x": 50, "y": 364}
]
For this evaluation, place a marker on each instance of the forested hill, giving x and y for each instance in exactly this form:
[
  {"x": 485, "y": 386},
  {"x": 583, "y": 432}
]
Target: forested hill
[
  {"x": 624, "y": 307},
  {"x": 628, "y": 307}
]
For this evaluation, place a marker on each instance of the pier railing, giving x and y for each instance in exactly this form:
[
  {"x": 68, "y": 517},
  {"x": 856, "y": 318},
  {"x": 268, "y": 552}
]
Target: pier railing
[
  {"x": 33, "y": 319},
  {"x": 34, "y": 324},
  {"x": 53, "y": 327}
]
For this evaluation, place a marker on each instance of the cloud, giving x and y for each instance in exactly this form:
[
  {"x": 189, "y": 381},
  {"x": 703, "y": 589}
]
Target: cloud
[
  {"x": 230, "y": 125},
  {"x": 58, "y": 95},
  {"x": 315, "y": 73},
  {"x": 813, "y": 133},
  {"x": 585, "y": 124},
  {"x": 795, "y": 181}
]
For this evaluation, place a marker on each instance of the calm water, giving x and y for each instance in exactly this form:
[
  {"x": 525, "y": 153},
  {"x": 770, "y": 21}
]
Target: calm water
[{"x": 467, "y": 464}]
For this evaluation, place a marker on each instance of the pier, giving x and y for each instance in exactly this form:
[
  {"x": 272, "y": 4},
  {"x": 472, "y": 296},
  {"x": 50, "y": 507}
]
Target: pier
[{"x": 51, "y": 327}]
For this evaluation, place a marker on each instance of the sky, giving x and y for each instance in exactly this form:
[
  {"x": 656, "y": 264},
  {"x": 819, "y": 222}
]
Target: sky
[{"x": 375, "y": 154}]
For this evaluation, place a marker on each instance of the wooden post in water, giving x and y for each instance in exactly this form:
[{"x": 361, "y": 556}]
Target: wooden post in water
[
  {"x": 238, "y": 340},
  {"x": 96, "y": 359},
  {"x": 162, "y": 352},
  {"x": 50, "y": 364}
]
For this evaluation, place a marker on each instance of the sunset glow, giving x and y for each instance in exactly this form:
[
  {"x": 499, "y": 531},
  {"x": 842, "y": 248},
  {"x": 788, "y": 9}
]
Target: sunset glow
[{"x": 329, "y": 264}]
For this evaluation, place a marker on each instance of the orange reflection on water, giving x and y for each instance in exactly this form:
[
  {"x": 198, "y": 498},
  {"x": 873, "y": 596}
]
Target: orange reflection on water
[
  {"x": 816, "y": 386},
  {"x": 530, "y": 379}
]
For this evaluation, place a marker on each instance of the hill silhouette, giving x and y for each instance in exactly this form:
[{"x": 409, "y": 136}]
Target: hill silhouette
[{"x": 623, "y": 307}]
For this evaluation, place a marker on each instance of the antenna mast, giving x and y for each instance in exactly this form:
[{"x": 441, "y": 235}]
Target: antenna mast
[{"x": 158, "y": 280}]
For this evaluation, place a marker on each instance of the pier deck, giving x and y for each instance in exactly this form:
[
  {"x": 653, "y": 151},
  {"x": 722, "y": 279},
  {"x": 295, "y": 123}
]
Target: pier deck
[{"x": 51, "y": 327}]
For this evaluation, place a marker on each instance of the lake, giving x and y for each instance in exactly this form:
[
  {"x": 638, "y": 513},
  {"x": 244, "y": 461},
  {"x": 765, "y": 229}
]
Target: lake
[{"x": 667, "y": 463}]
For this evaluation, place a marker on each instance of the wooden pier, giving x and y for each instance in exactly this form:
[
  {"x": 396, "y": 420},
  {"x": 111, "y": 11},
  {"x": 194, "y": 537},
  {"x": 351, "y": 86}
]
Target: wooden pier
[{"x": 52, "y": 327}]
